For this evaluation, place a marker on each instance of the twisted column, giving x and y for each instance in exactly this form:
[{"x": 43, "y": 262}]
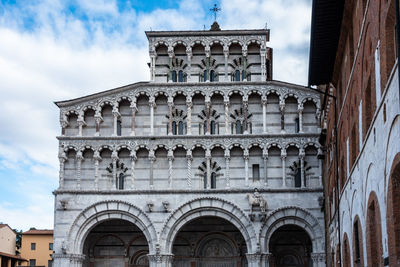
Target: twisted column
[
  {"x": 264, "y": 108},
  {"x": 170, "y": 161},
  {"x": 226, "y": 103},
  {"x": 246, "y": 166},
  {"x": 97, "y": 159},
  {"x": 134, "y": 109},
  {"x": 208, "y": 161},
  {"x": 301, "y": 157},
  {"x": 79, "y": 158},
  {"x": 171, "y": 107},
  {"x": 152, "y": 104},
  {"x": 226, "y": 55},
  {"x": 189, "y": 117},
  {"x": 133, "y": 162},
  {"x": 116, "y": 115},
  {"x": 300, "y": 109},
  {"x": 265, "y": 158},
  {"x": 227, "y": 162},
  {"x": 114, "y": 157},
  {"x": 189, "y": 168},
  {"x": 283, "y": 157},
  {"x": 282, "y": 109},
  {"x": 152, "y": 158},
  {"x": 189, "y": 61},
  {"x": 62, "y": 157},
  {"x": 244, "y": 53}
]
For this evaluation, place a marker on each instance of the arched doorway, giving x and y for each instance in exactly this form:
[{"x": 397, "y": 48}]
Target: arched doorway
[
  {"x": 116, "y": 243},
  {"x": 209, "y": 242},
  {"x": 290, "y": 246}
]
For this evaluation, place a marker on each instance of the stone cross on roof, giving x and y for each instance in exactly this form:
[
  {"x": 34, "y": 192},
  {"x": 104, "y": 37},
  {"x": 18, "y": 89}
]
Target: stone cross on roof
[{"x": 215, "y": 9}]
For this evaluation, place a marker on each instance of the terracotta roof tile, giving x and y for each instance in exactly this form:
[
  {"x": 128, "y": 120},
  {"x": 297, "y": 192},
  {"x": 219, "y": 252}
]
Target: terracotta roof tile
[{"x": 38, "y": 232}]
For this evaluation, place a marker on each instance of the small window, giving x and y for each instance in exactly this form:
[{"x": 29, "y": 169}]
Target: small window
[
  {"x": 180, "y": 128},
  {"x": 174, "y": 76},
  {"x": 212, "y": 76},
  {"x": 180, "y": 76},
  {"x": 205, "y": 127},
  {"x": 297, "y": 178},
  {"x": 238, "y": 127},
  {"x": 237, "y": 76},
  {"x": 256, "y": 172},
  {"x": 205, "y": 180},
  {"x": 120, "y": 184},
  {"x": 119, "y": 128},
  {"x": 33, "y": 246},
  {"x": 296, "y": 125},
  {"x": 174, "y": 127},
  {"x": 213, "y": 180},
  {"x": 32, "y": 262},
  {"x": 50, "y": 246},
  {"x": 243, "y": 73},
  {"x": 212, "y": 130},
  {"x": 205, "y": 75}
]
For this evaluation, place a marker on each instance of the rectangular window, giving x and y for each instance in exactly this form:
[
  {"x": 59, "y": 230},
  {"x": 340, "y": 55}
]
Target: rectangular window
[
  {"x": 256, "y": 172},
  {"x": 50, "y": 246},
  {"x": 119, "y": 128},
  {"x": 33, "y": 246},
  {"x": 32, "y": 262}
]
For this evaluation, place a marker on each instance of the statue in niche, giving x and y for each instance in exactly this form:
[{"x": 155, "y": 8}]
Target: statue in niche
[{"x": 257, "y": 200}]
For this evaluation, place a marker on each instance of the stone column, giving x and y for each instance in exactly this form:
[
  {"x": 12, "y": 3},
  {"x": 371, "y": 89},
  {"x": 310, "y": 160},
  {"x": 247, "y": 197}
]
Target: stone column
[
  {"x": 265, "y": 158},
  {"x": 283, "y": 157},
  {"x": 152, "y": 158},
  {"x": 303, "y": 178},
  {"x": 282, "y": 109},
  {"x": 189, "y": 60},
  {"x": 98, "y": 119},
  {"x": 153, "y": 66},
  {"x": 134, "y": 109},
  {"x": 189, "y": 116},
  {"x": 171, "y": 107},
  {"x": 244, "y": 53},
  {"x": 116, "y": 115},
  {"x": 170, "y": 161},
  {"x": 253, "y": 259},
  {"x": 160, "y": 260},
  {"x": 263, "y": 53},
  {"x": 152, "y": 104},
  {"x": 81, "y": 123},
  {"x": 265, "y": 259},
  {"x": 318, "y": 259},
  {"x": 208, "y": 161},
  {"x": 246, "y": 166},
  {"x": 300, "y": 109},
  {"x": 208, "y": 119},
  {"x": 97, "y": 159},
  {"x": 245, "y": 114},
  {"x": 226, "y": 55},
  {"x": 133, "y": 162},
  {"x": 226, "y": 103},
  {"x": 79, "y": 158},
  {"x": 207, "y": 50},
  {"x": 264, "y": 108},
  {"x": 64, "y": 124},
  {"x": 320, "y": 162},
  {"x": 189, "y": 168},
  {"x": 114, "y": 157},
  {"x": 227, "y": 162},
  {"x": 62, "y": 158},
  {"x": 171, "y": 55}
]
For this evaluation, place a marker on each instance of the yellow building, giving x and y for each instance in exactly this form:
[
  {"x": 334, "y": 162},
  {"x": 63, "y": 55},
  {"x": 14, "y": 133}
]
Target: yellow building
[
  {"x": 37, "y": 247},
  {"x": 8, "y": 257}
]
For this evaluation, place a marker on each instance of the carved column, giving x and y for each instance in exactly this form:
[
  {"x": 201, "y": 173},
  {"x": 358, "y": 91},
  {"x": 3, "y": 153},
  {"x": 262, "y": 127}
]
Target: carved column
[
  {"x": 97, "y": 159},
  {"x": 226, "y": 103},
  {"x": 253, "y": 259},
  {"x": 189, "y": 116},
  {"x": 244, "y": 53},
  {"x": 153, "y": 66},
  {"x": 189, "y": 60},
  {"x": 263, "y": 53},
  {"x": 245, "y": 114},
  {"x": 152, "y": 104},
  {"x": 227, "y": 162},
  {"x": 170, "y": 161},
  {"x": 98, "y": 119},
  {"x": 64, "y": 124},
  {"x": 246, "y": 166},
  {"x": 320, "y": 162},
  {"x": 79, "y": 158},
  {"x": 282, "y": 109},
  {"x": 133, "y": 162},
  {"x": 300, "y": 109},
  {"x": 189, "y": 168},
  {"x": 283, "y": 157},
  {"x": 208, "y": 119},
  {"x": 114, "y": 157},
  {"x": 265, "y": 259},
  {"x": 160, "y": 260},
  {"x": 62, "y": 158},
  {"x": 171, "y": 107},
  {"x": 208, "y": 161},
  {"x": 81, "y": 123},
  {"x": 207, "y": 78},
  {"x": 134, "y": 109},
  {"x": 152, "y": 158},
  {"x": 264, "y": 108},
  {"x": 171, "y": 55},
  {"x": 226, "y": 55},
  {"x": 318, "y": 259},
  {"x": 303, "y": 178},
  {"x": 265, "y": 158},
  {"x": 116, "y": 115}
]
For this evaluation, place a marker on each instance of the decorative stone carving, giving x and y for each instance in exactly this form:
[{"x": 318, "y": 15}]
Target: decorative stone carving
[
  {"x": 257, "y": 200},
  {"x": 150, "y": 206}
]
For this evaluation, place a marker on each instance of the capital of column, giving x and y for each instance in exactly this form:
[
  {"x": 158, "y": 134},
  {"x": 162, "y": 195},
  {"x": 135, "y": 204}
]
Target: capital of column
[
  {"x": 161, "y": 258},
  {"x": 282, "y": 106},
  {"x": 62, "y": 157},
  {"x": 189, "y": 155},
  {"x": 283, "y": 154},
  {"x": 246, "y": 154},
  {"x": 318, "y": 257},
  {"x": 64, "y": 123},
  {"x": 98, "y": 118},
  {"x": 264, "y": 99},
  {"x": 226, "y": 103},
  {"x": 96, "y": 155},
  {"x": 300, "y": 108},
  {"x": 114, "y": 155},
  {"x": 133, "y": 106},
  {"x": 244, "y": 52},
  {"x": 133, "y": 155},
  {"x": 227, "y": 154},
  {"x": 253, "y": 257},
  {"x": 170, "y": 155},
  {"x": 208, "y": 154},
  {"x": 302, "y": 154},
  {"x": 152, "y": 157},
  {"x": 189, "y": 104},
  {"x": 79, "y": 155}
]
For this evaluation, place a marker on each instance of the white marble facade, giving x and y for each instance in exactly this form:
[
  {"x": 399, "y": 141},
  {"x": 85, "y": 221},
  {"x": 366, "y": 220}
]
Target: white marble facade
[{"x": 199, "y": 144}]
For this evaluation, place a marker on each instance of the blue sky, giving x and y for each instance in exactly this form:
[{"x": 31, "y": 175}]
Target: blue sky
[{"x": 54, "y": 50}]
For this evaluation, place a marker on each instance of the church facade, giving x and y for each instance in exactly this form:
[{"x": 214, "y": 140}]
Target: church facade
[{"x": 210, "y": 163}]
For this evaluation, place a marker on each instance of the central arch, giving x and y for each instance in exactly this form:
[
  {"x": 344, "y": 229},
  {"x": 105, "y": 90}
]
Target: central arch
[{"x": 211, "y": 207}]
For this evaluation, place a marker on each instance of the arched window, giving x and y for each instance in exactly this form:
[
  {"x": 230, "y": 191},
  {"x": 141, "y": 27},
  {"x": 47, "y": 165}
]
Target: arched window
[
  {"x": 119, "y": 128},
  {"x": 205, "y": 75},
  {"x": 238, "y": 127},
  {"x": 180, "y": 76},
  {"x": 174, "y": 75},
  {"x": 180, "y": 127},
  {"x": 297, "y": 178},
  {"x": 205, "y": 180},
  {"x": 213, "y": 180},
  {"x": 237, "y": 76},
  {"x": 212, "y": 130},
  {"x": 120, "y": 184},
  {"x": 212, "y": 76},
  {"x": 174, "y": 127}
]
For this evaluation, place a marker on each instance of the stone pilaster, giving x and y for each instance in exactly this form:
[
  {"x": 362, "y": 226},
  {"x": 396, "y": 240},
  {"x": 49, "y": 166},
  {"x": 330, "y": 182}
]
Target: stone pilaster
[
  {"x": 97, "y": 159},
  {"x": 227, "y": 163},
  {"x": 133, "y": 162},
  {"x": 264, "y": 108},
  {"x": 152, "y": 104},
  {"x": 134, "y": 110},
  {"x": 62, "y": 157},
  {"x": 189, "y": 117},
  {"x": 300, "y": 109},
  {"x": 303, "y": 178},
  {"x": 79, "y": 158},
  {"x": 189, "y": 168},
  {"x": 170, "y": 157},
  {"x": 283, "y": 157}
]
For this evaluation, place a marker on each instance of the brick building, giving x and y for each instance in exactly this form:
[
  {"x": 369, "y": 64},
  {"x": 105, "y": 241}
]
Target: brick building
[{"x": 353, "y": 57}]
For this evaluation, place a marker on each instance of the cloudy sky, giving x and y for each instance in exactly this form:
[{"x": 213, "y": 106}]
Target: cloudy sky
[{"x": 54, "y": 50}]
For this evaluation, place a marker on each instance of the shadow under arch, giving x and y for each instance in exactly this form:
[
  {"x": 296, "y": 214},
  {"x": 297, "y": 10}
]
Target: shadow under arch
[
  {"x": 207, "y": 206},
  {"x": 107, "y": 210},
  {"x": 292, "y": 216}
]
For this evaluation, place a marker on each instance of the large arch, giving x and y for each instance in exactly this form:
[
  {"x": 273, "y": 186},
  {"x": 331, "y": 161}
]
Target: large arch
[
  {"x": 207, "y": 206},
  {"x": 106, "y": 210},
  {"x": 292, "y": 216}
]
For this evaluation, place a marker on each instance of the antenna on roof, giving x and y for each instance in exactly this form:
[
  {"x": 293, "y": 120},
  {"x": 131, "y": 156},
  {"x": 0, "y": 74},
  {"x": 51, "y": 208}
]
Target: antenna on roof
[{"x": 266, "y": 26}]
